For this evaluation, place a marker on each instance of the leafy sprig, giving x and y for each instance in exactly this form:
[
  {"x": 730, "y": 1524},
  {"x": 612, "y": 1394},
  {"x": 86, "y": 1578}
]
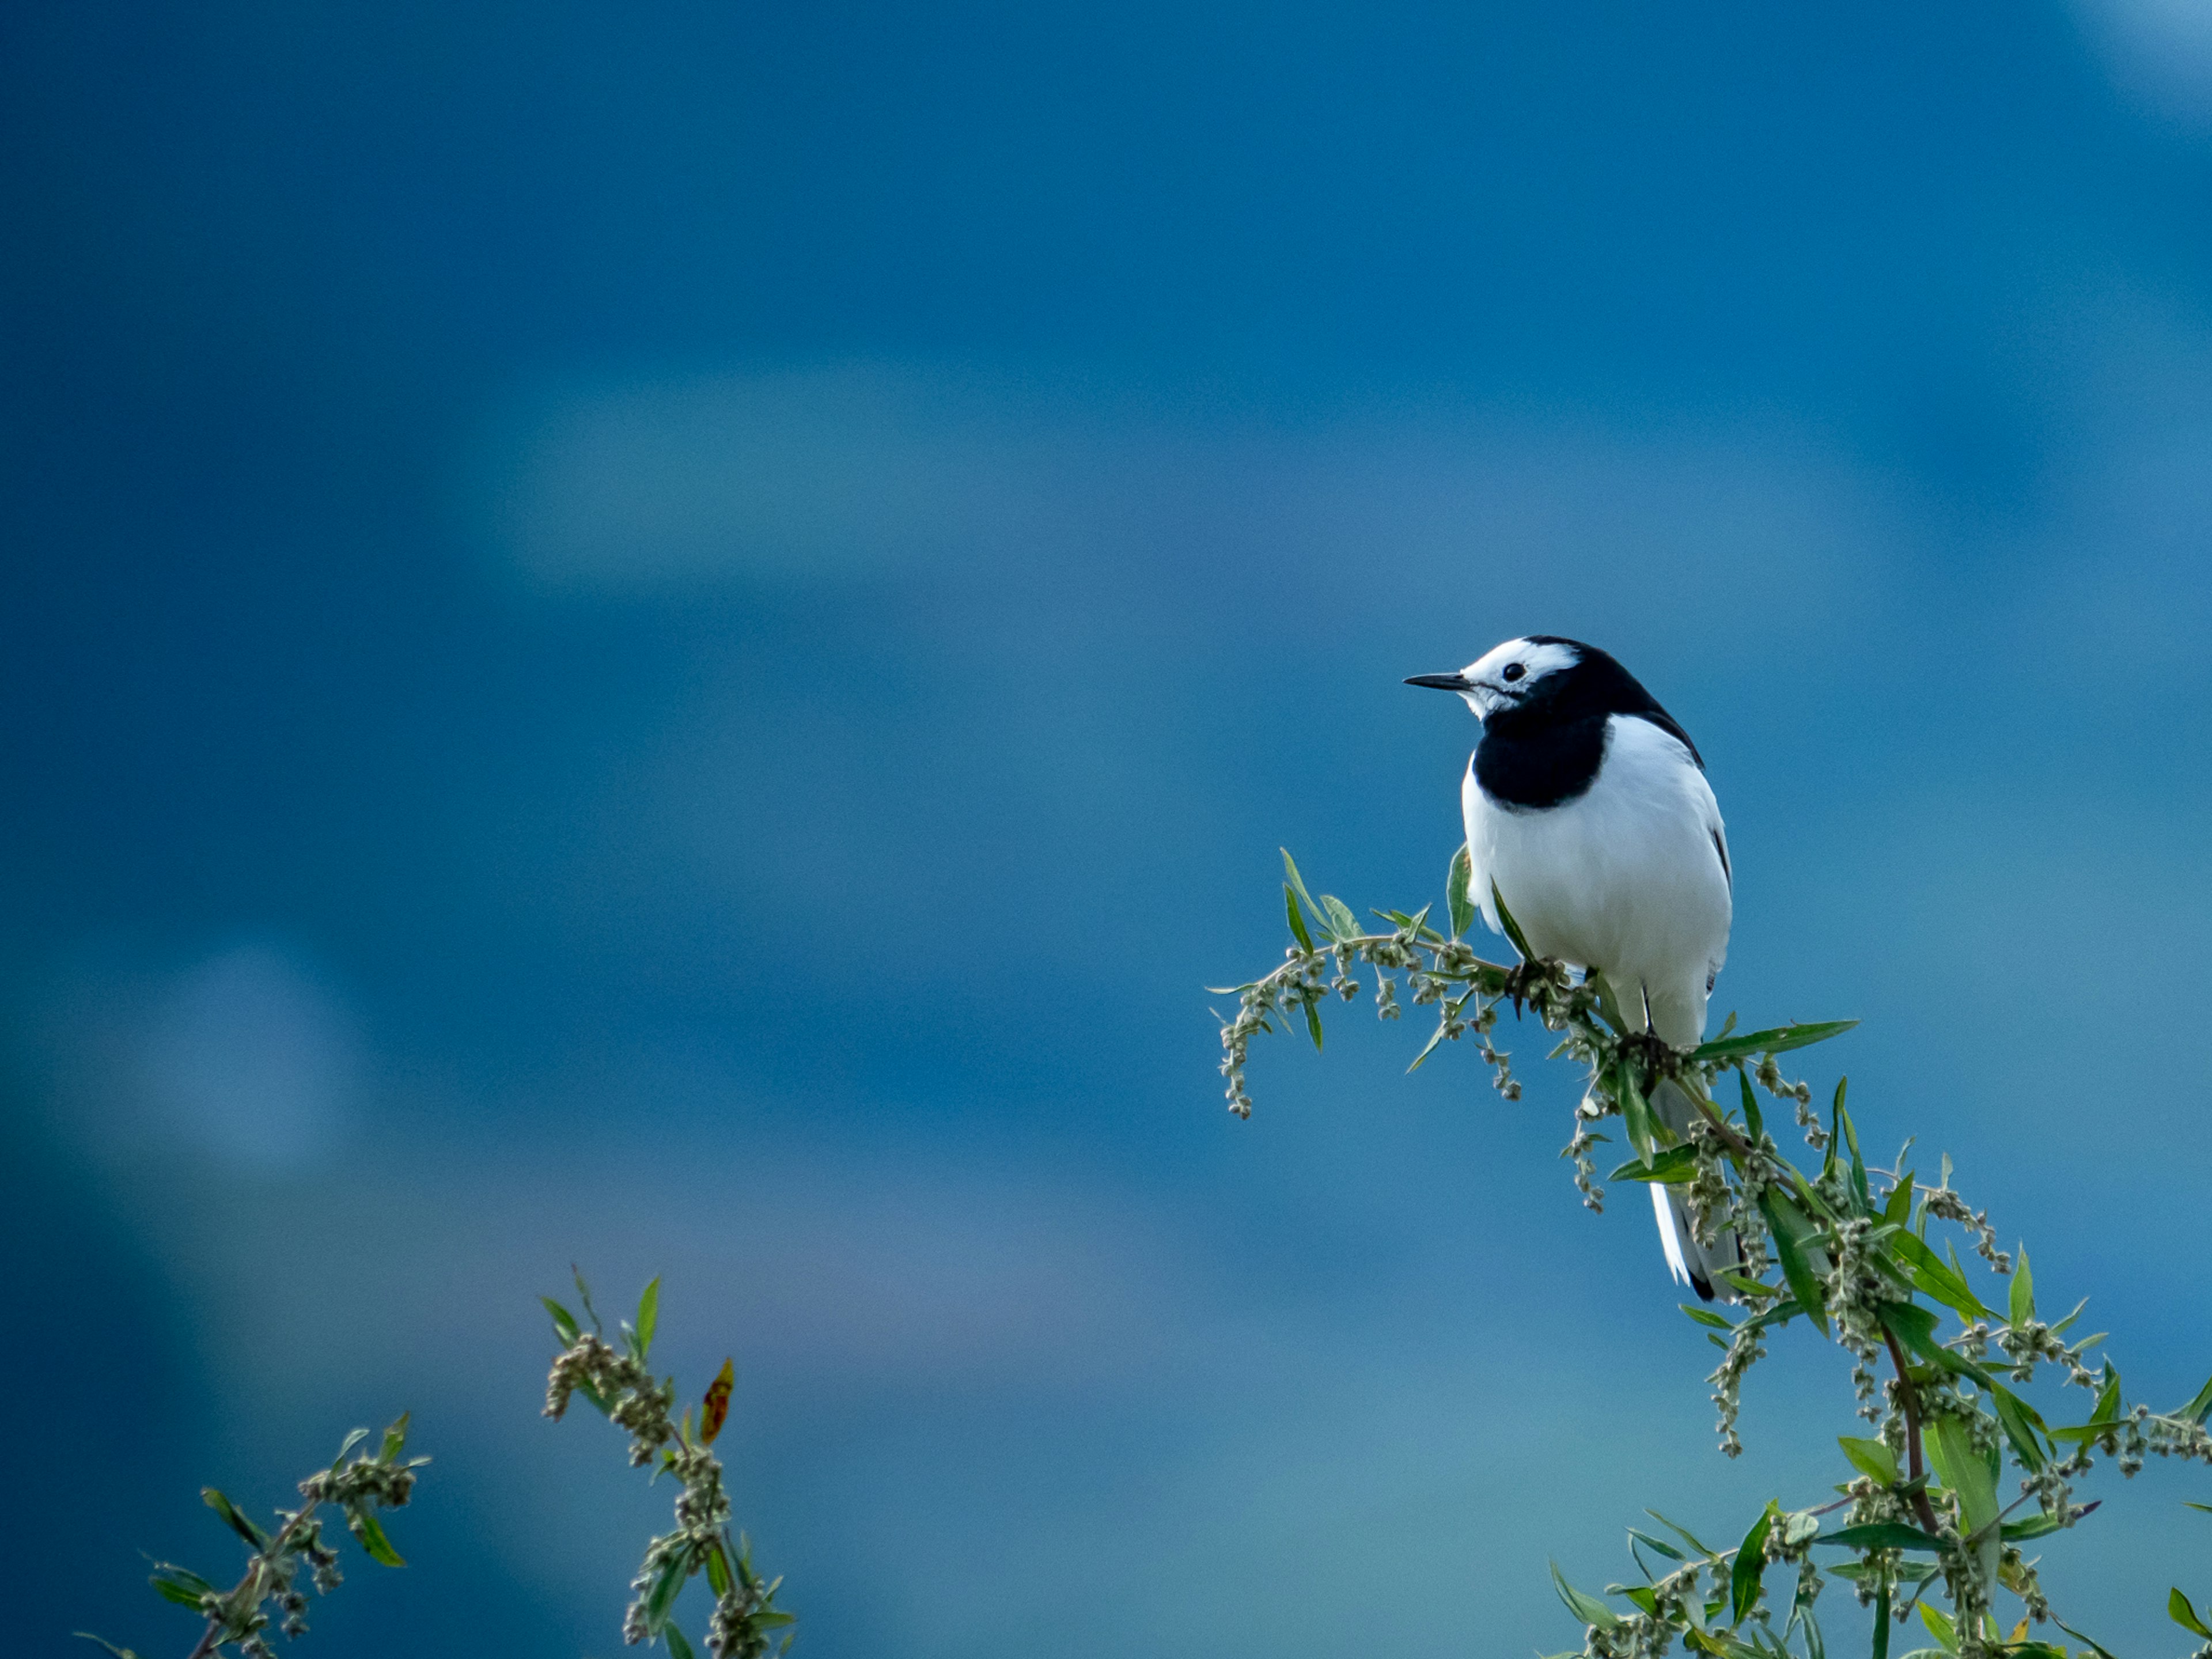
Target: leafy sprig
[
  {"x": 240, "y": 1616},
  {"x": 614, "y": 1378},
  {"x": 1840, "y": 1246}
]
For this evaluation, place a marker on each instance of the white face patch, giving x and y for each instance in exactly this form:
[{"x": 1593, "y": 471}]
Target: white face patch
[{"x": 1506, "y": 674}]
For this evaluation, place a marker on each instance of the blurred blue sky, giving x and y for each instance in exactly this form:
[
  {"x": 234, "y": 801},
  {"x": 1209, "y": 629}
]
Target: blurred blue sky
[{"x": 676, "y": 638}]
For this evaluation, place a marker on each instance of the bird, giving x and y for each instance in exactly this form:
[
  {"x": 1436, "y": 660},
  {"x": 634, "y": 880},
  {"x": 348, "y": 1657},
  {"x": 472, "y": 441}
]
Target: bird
[{"x": 1587, "y": 811}]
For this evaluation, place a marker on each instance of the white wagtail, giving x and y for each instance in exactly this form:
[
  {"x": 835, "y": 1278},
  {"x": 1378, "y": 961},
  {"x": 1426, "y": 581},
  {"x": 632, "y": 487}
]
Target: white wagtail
[{"x": 1587, "y": 806}]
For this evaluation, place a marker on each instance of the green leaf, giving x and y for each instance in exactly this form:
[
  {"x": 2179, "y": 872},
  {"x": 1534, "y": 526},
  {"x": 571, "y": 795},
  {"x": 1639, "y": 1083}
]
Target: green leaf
[
  {"x": 353, "y": 1438},
  {"x": 1676, "y": 1164},
  {"x": 1941, "y": 1627},
  {"x": 1915, "y": 1326},
  {"x": 648, "y": 1318},
  {"x": 1341, "y": 921},
  {"x": 1681, "y": 1531},
  {"x": 678, "y": 1647},
  {"x": 1291, "y": 869},
  {"x": 2207, "y": 1508},
  {"x": 1662, "y": 1547},
  {"x": 101, "y": 1641},
  {"x": 718, "y": 1572},
  {"x": 395, "y": 1440},
  {"x": 1704, "y": 1316},
  {"x": 2019, "y": 1304},
  {"x": 2200, "y": 1408},
  {"x": 1635, "y": 1112},
  {"x": 1871, "y": 1458},
  {"x": 180, "y": 1584},
  {"x": 1790, "y": 1229},
  {"x": 1931, "y": 1274},
  {"x": 238, "y": 1523},
  {"x": 1881, "y": 1535},
  {"x": 2179, "y": 1610},
  {"x": 1520, "y": 940},
  {"x": 660, "y": 1599},
  {"x": 1967, "y": 1472},
  {"x": 1750, "y": 1563},
  {"x": 1897, "y": 1209},
  {"x": 361, "y": 1522},
  {"x": 1779, "y": 1040},
  {"x": 1587, "y": 1608},
  {"x": 2096, "y": 1646},
  {"x": 2019, "y": 1421},
  {"x": 2036, "y": 1526},
  {"x": 1298, "y": 921},
  {"x": 1881, "y": 1622},
  {"x": 564, "y": 1322},
  {"x": 1456, "y": 900},
  {"x": 1752, "y": 1119},
  {"x": 1313, "y": 1031}
]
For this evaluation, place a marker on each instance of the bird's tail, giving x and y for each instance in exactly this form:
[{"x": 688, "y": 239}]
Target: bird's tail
[{"x": 1698, "y": 1266}]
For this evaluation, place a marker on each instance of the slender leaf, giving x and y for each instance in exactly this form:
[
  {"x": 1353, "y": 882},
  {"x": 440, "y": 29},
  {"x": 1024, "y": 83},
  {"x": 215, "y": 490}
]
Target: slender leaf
[
  {"x": 1941, "y": 1627},
  {"x": 2200, "y": 1408},
  {"x": 1313, "y": 1029},
  {"x": 1752, "y": 1119},
  {"x": 1790, "y": 1229},
  {"x": 1456, "y": 898},
  {"x": 1682, "y": 1532},
  {"x": 2020, "y": 1303},
  {"x": 238, "y": 1523},
  {"x": 1750, "y": 1563},
  {"x": 2019, "y": 1421},
  {"x": 1520, "y": 940},
  {"x": 660, "y": 1598},
  {"x": 1778, "y": 1039},
  {"x": 1291, "y": 869},
  {"x": 718, "y": 1572},
  {"x": 1881, "y": 1622},
  {"x": 1881, "y": 1535},
  {"x": 361, "y": 1522},
  {"x": 1341, "y": 920},
  {"x": 1298, "y": 921},
  {"x": 564, "y": 1322},
  {"x": 1587, "y": 1608},
  {"x": 101, "y": 1641},
  {"x": 648, "y": 1318},
  {"x": 1704, "y": 1316},
  {"x": 180, "y": 1584},
  {"x": 354, "y": 1437},
  {"x": 395, "y": 1440},
  {"x": 1660, "y": 1545},
  {"x": 1635, "y": 1112},
  {"x": 1676, "y": 1164},
  {"x": 1871, "y": 1458},
  {"x": 2096, "y": 1646},
  {"x": 2179, "y": 1610},
  {"x": 1967, "y": 1472},
  {"x": 1931, "y": 1274},
  {"x": 679, "y": 1647}
]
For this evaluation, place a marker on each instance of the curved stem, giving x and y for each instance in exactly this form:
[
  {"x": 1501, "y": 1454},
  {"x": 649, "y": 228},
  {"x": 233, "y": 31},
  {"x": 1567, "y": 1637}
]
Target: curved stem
[{"x": 1908, "y": 1397}]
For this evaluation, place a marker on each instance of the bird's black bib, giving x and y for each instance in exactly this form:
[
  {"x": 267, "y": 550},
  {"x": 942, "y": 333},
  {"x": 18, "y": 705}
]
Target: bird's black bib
[{"x": 1546, "y": 750}]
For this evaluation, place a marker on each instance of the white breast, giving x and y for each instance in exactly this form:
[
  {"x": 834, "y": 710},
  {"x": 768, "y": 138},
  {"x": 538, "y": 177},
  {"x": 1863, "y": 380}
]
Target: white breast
[{"x": 1626, "y": 878}]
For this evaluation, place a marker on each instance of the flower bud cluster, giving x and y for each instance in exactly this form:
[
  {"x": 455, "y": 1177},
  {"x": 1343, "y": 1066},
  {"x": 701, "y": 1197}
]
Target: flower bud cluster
[{"x": 634, "y": 1400}]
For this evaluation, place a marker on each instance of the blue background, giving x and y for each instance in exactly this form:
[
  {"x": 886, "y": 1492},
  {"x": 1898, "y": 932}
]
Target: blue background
[{"x": 674, "y": 637}]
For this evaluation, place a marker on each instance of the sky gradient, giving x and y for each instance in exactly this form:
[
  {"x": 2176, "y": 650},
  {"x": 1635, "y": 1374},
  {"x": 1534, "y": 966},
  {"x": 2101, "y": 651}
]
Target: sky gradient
[{"x": 677, "y": 639}]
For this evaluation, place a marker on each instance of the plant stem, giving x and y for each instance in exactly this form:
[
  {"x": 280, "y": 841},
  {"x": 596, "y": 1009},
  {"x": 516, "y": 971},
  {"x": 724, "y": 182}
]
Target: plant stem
[
  {"x": 1908, "y": 1397},
  {"x": 212, "y": 1637}
]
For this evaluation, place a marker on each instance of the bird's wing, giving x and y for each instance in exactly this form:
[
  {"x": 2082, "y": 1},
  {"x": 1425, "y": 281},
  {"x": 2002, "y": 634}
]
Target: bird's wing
[{"x": 1471, "y": 809}]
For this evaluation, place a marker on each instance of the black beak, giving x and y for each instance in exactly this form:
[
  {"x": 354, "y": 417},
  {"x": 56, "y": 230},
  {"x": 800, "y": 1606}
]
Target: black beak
[{"x": 1443, "y": 682}]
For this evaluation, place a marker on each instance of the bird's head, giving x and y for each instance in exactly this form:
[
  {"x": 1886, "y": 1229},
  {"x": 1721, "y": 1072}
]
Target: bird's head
[{"x": 1512, "y": 675}]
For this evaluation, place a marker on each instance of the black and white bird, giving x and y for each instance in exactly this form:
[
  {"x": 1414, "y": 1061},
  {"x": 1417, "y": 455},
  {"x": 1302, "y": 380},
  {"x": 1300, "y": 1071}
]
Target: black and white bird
[{"x": 1586, "y": 804}]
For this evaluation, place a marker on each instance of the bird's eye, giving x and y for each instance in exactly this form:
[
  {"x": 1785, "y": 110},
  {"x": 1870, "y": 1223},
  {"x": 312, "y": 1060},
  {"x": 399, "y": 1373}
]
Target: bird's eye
[{"x": 1514, "y": 670}]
